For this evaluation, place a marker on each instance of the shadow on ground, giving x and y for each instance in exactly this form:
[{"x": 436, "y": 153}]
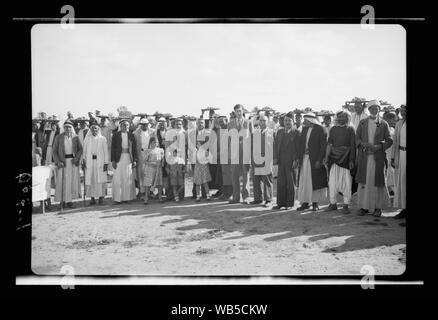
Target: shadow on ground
[{"x": 251, "y": 220}]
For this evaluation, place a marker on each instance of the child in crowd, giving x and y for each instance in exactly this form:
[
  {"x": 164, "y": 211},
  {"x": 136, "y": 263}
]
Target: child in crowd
[{"x": 153, "y": 172}]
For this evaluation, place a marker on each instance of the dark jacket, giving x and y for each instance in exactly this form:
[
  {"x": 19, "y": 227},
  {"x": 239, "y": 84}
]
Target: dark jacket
[
  {"x": 286, "y": 146},
  {"x": 317, "y": 149},
  {"x": 59, "y": 150},
  {"x": 381, "y": 137},
  {"x": 345, "y": 137},
  {"x": 116, "y": 146}
]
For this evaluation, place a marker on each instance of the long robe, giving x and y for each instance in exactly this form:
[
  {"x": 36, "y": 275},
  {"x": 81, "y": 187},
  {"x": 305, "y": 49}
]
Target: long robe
[
  {"x": 312, "y": 182},
  {"x": 95, "y": 176},
  {"x": 123, "y": 179},
  {"x": 69, "y": 175}
]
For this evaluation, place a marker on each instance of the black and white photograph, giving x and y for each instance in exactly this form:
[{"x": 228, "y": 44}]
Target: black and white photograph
[
  {"x": 111, "y": 197},
  {"x": 242, "y": 152}
]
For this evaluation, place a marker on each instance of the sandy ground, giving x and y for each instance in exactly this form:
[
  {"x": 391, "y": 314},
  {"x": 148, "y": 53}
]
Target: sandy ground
[{"x": 214, "y": 238}]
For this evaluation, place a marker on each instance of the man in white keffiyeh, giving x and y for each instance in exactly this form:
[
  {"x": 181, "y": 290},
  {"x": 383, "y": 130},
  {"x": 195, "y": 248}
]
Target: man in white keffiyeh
[{"x": 95, "y": 162}]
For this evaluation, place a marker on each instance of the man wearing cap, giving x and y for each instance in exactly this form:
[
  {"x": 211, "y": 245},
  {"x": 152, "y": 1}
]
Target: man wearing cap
[
  {"x": 241, "y": 168},
  {"x": 398, "y": 161},
  {"x": 312, "y": 187},
  {"x": 142, "y": 136},
  {"x": 263, "y": 171},
  {"x": 372, "y": 139},
  {"x": 124, "y": 158},
  {"x": 95, "y": 163},
  {"x": 67, "y": 152}
]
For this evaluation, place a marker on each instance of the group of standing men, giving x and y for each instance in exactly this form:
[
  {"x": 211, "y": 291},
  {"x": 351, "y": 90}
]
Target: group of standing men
[{"x": 312, "y": 161}]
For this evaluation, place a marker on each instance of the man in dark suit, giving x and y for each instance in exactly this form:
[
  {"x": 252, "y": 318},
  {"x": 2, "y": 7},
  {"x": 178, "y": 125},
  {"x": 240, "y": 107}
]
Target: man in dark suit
[
  {"x": 244, "y": 129},
  {"x": 286, "y": 157}
]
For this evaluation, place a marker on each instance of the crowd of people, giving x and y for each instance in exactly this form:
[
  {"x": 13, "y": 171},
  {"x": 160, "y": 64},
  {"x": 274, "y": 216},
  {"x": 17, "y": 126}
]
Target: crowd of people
[{"x": 315, "y": 157}]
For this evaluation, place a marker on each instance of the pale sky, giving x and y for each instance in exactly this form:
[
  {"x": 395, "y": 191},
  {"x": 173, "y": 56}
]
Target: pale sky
[{"x": 181, "y": 68}]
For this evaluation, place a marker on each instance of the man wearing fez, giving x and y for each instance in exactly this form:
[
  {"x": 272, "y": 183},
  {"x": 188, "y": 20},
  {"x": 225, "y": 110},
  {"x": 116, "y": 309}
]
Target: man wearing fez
[
  {"x": 372, "y": 139},
  {"x": 95, "y": 162},
  {"x": 313, "y": 184},
  {"x": 398, "y": 161},
  {"x": 340, "y": 158},
  {"x": 67, "y": 152},
  {"x": 286, "y": 157},
  {"x": 244, "y": 130},
  {"x": 263, "y": 171},
  {"x": 142, "y": 137},
  {"x": 124, "y": 159}
]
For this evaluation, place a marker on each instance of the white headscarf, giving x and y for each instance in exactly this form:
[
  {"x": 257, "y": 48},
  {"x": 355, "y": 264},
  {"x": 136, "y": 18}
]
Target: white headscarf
[
  {"x": 311, "y": 117},
  {"x": 90, "y": 134}
]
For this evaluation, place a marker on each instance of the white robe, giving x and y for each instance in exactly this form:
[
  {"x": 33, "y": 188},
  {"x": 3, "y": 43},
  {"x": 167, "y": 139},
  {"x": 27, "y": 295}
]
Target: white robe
[
  {"x": 400, "y": 190},
  {"x": 123, "y": 179},
  {"x": 95, "y": 176}
]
